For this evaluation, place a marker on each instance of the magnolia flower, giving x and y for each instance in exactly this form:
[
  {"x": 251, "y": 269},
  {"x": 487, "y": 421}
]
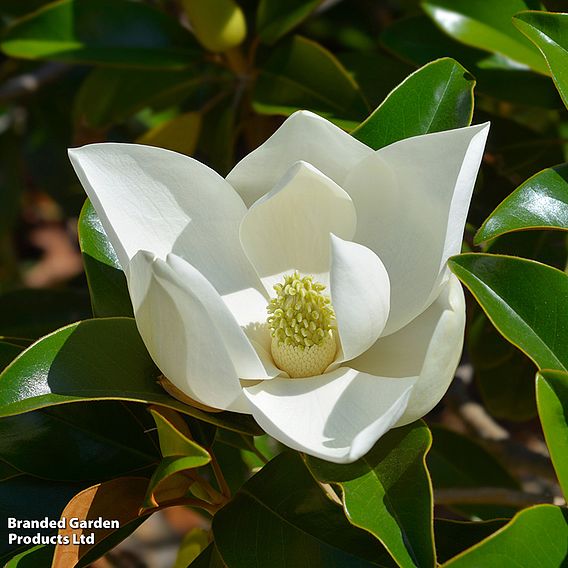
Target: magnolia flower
[{"x": 310, "y": 287}]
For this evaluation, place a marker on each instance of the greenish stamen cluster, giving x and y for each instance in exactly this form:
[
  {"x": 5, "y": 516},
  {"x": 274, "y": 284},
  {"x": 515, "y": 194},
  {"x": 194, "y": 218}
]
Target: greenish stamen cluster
[{"x": 300, "y": 315}]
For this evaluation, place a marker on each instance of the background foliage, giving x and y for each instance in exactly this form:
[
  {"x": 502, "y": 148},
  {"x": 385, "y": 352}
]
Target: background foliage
[{"x": 86, "y": 430}]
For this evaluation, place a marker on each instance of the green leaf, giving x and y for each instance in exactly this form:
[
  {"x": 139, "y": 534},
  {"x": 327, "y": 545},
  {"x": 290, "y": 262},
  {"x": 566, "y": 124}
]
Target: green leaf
[
  {"x": 549, "y": 32},
  {"x": 101, "y": 32},
  {"x": 439, "y": 96},
  {"x": 209, "y": 558},
  {"x": 281, "y": 518},
  {"x": 456, "y": 461},
  {"x": 275, "y": 19},
  {"x": 541, "y": 202},
  {"x": 8, "y": 352},
  {"x": 97, "y": 359},
  {"x": 194, "y": 542},
  {"x": 109, "y": 96},
  {"x": 552, "y": 401},
  {"x": 79, "y": 442},
  {"x": 521, "y": 298},
  {"x": 41, "y": 555},
  {"x": 453, "y": 537},
  {"x": 179, "y": 134},
  {"x": 106, "y": 280},
  {"x": 31, "y": 313},
  {"x": 536, "y": 537},
  {"x": 388, "y": 493},
  {"x": 487, "y": 26},
  {"x": 301, "y": 74},
  {"x": 419, "y": 41},
  {"x": 503, "y": 375}
]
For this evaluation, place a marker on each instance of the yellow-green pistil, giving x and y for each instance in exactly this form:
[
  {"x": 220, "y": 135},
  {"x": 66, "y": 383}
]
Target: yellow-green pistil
[{"x": 302, "y": 323}]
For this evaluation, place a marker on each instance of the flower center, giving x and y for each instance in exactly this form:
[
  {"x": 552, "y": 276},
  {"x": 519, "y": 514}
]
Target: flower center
[{"x": 301, "y": 320}]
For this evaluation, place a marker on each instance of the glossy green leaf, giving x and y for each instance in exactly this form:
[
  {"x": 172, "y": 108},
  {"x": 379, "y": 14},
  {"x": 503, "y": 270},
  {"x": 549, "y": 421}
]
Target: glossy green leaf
[
  {"x": 106, "y": 280},
  {"x": 504, "y": 376},
  {"x": 388, "y": 493},
  {"x": 453, "y": 537},
  {"x": 8, "y": 352},
  {"x": 439, "y": 96},
  {"x": 97, "y": 359},
  {"x": 456, "y": 461},
  {"x": 31, "y": 313},
  {"x": 301, "y": 74},
  {"x": 552, "y": 400},
  {"x": 418, "y": 40},
  {"x": 549, "y": 32},
  {"x": 536, "y": 537},
  {"x": 109, "y": 96},
  {"x": 540, "y": 202},
  {"x": 275, "y": 18},
  {"x": 487, "y": 26},
  {"x": 103, "y": 32},
  {"x": 522, "y": 299},
  {"x": 282, "y": 518},
  {"x": 78, "y": 442},
  {"x": 41, "y": 555}
]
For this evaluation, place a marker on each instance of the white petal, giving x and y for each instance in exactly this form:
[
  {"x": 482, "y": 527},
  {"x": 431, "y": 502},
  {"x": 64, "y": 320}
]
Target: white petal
[
  {"x": 337, "y": 416},
  {"x": 190, "y": 352},
  {"x": 412, "y": 199},
  {"x": 429, "y": 347},
  {"x": 288, "y": 229},
  {"x": 303, "y": 136},
  {"x": 157, "y": 200},
  {"x": 360, "y": 295}
]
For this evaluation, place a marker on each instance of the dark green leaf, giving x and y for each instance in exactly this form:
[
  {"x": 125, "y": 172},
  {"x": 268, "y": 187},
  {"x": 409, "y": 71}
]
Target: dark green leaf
[
  {"x": 78, "y": 442},
  {"x": 301, "y": 74},
  {"x": 487, "y": 26},
  {"x": 419, "y": 41},
  {"x": 95, "y": 360},
  {"x": 453, "y": 537},
  {"x": 439, "y": 96},
  {"x": 456, "y": 461},
  {"x": 523, "y": 301},
  {"x": 503, "y": 375},
  {"x": 549, "y": 32},
  {"x": 388, "y": 493},
  {"x": 32, "y": 313},
  {"x": 37, "y": 556},
  {"x": 107, "y": 283},
  {"x": 536, "y": 537},
  {"x": 282, "y": 518},
  {"x": 552, "y": 400},
  {"x": 209, "y": 558},
  {"x": 540, "y": 202},
  {"x": 275, "y": 18},
  {"x": 104, "y": 32}
]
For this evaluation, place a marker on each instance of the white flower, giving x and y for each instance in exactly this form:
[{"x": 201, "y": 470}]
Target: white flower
[{"x": 202, "y": 255}]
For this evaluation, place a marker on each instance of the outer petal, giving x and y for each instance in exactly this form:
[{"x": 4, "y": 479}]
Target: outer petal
[
  {"x": 360, "y": 294},
  {"x": 303, "y": 136},
  {"x": 160, "y": 201},
  {"x": 189, "y": 332},
  {"x": 337, "y": 416},
  {"x": 288, "y": 229},
  {"x": 429, "y": 347},
  {"x": 412, "y": 199}
]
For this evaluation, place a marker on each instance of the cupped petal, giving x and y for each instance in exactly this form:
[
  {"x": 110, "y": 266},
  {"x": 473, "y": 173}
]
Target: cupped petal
[
  {"x": 337, "y": 416},
  {"x": 412, "y": 199},
  {"x": 157, "y": 200},
  {"x": 288, "y": 229},
  {"x": 303, "y": 136},
  {"x": 360, "y": 295},
  {"x": 429, "y": 347},
  {"x": 189, "y": 332}
]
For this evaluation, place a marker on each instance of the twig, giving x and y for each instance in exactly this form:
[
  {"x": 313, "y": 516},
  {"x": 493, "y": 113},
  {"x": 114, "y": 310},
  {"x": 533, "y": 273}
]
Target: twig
[
  {"x": 488, "y": 496},
  {"x": 223, "y": 485},
  {"x": 29, "y": 83}
]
